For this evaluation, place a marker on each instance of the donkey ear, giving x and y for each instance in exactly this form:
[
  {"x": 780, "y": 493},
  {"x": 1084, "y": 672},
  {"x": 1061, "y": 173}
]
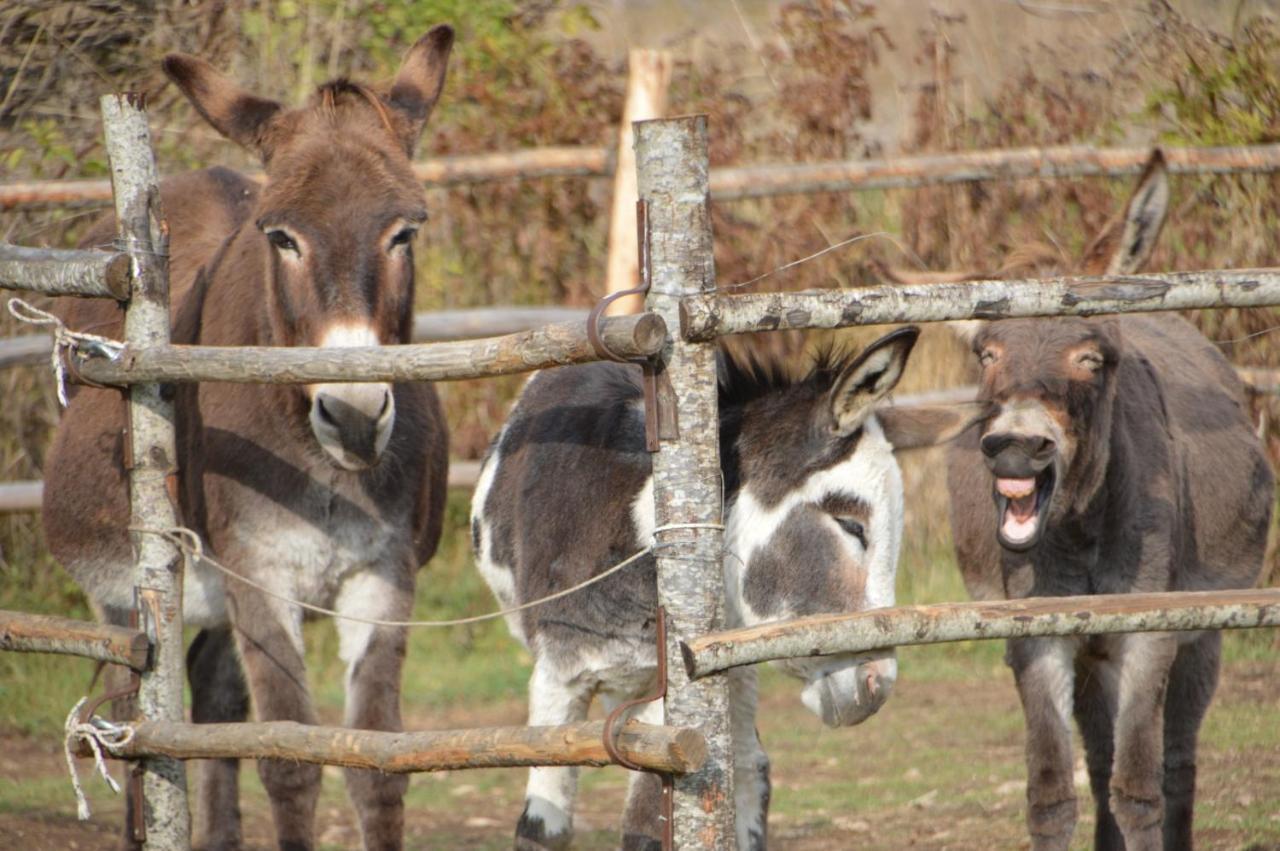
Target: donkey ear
[
  {"x": 918, "y": 426},
  {"x": 1126, "y": 246},
  {"x": 240, "y": 116},
  {"x": 870, "y": 378},
  {"x": 421, "y": 78}
]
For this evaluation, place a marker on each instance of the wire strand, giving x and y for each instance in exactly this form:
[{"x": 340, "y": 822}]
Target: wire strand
[{"x": 191, "y": 546}]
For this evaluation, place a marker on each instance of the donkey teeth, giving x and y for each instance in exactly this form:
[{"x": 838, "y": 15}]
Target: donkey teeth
[{"x": 1015, "y": 488}]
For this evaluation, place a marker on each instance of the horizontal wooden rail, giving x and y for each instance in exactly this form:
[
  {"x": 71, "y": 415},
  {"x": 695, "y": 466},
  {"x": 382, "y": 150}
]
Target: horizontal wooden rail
[
  {"x": 55, "y": 271},
  {"x": 657, "y": 748},
  {"x": 25, "y": 496},
  {"x": 21, "y": 496},
  {"x": 762, "y": 179},
  {"x": 428, "y": 327},
  {"x": 568, "y": 161},
  {"x": 26, "y": 350},
  {"x": 882, "y": 629},
  {"x": 1260, "y": 380},
  {"x": 46, "y": 634},
  {"x": 637, "y": 336},
  {"x": 469, "y": 324},
  {"x": 968, "y": 166},
  {"x": 708, "y": 316}
]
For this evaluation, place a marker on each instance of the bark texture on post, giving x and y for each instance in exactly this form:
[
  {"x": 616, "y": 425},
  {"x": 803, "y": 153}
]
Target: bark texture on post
[
  {"x": 152, "y": 449},
  {"x": 825, "y": 635},
  {"x": 46, "y": 634},
  {"x": 670, "y": 749},
  {"x": 671, "y": 160},
  {"x": 707, "y": 316},
  {"x": 553, "y": 345},
  {"x": 56, "y": 271}
]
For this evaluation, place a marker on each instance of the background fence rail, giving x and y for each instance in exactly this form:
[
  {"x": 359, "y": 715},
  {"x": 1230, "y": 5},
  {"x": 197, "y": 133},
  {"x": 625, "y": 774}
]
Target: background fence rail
[{"x": 763, "y": 179}]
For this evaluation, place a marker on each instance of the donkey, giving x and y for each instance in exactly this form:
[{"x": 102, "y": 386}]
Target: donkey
[
  {"x": 813, "y": 522},
  {"x": 331, "y": 494},
  {"x": 1120, "y": 459}
]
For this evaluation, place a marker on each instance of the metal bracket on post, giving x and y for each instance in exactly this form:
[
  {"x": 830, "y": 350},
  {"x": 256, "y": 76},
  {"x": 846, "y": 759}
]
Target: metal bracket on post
[
  {"x": 659, "y": 396},
  {"x": 610, "y": 736}
]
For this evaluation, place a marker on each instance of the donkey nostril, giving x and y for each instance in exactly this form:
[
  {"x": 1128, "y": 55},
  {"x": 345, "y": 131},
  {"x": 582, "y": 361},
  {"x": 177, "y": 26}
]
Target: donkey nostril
[
  {"x": 994, "y": 444},
  {"x": 386, "y": 404},
  {"x": 873, "y": 683}
]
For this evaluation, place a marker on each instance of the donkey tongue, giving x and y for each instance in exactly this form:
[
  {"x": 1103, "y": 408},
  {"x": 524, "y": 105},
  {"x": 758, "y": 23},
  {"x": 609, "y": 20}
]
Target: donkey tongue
[{"x": 1019, "y": 521}]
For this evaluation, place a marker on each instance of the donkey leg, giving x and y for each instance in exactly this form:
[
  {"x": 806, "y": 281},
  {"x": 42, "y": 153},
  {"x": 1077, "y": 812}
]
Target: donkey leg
[
  {"x": 375, "y": 658},
  {"x": 547, "y": 820},
  {"x": 269, "y": 636},
  {"x": 218, "y": 694},
  {"x": 642, "y": 825},
  {"x": 751, "y": 787},
  {"x": 1044, "y": 670},
  {"x": 1137, "y": 796},
  {"x": 1097, "y": 690},
  {"x": 1191, "y": 685}
]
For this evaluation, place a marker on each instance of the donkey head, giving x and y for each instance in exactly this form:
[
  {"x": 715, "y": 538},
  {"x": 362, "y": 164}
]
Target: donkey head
[
  {"x": 816, "y": 505},
  {"x": 1052, "y": 385},
  {"x": 335, "y": 222}
]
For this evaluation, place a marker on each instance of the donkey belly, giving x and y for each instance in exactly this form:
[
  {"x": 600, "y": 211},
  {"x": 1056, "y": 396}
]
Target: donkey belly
[{"x": 309, "y": 562}]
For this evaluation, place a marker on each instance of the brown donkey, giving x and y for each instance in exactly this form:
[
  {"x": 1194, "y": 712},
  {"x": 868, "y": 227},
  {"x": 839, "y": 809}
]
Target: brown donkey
[
  {"x": 330, "y": 493},
  {"x": 1120, "y": 459}
]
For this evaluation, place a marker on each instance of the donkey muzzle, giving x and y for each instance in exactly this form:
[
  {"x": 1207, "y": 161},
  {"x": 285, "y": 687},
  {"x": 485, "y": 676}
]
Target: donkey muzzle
[
  {"x": 848, "y": 691},
  {"x": 1014, "y": 455},
  {"x": 353, "y": 422}
]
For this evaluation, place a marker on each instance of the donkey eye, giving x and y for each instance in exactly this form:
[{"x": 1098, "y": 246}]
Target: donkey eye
[
  {"x": 854, "y": 528},
  {"x": 403, "y": 237},
  {"x": 987, "y": 357},
  {"x": 282, "y": 241}
]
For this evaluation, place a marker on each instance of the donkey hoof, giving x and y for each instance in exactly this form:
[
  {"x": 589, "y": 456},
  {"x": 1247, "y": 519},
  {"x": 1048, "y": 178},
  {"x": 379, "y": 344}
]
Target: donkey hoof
[{"x": 543, "y": 826}]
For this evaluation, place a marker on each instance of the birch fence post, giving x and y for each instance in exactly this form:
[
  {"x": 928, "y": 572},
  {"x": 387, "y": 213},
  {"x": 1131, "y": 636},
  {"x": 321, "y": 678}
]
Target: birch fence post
[
  {"x": 151, "y": 459},
  {"x": 647, "y": 82},
  {"x": 671, "y": 161}
]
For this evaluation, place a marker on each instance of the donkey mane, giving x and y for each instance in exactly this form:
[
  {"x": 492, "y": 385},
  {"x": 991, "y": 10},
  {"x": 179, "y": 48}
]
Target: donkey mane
[{"x": 746, "y": 376}]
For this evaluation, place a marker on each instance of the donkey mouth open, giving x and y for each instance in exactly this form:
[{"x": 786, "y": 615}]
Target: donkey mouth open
[{"x": 1022, "y": 504}]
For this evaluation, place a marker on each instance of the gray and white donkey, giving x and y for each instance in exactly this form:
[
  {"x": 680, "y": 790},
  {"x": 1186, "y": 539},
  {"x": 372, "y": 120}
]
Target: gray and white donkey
[{"x": 813, "y": 523}]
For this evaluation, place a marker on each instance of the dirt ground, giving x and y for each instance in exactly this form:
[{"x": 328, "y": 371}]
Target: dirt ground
[{"x": 940, "y": 768}]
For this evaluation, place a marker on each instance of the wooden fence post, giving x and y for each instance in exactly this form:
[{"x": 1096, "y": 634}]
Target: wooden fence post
[
  {"x": 152, "y": 459},
  {"x": 647, "y": 81},
  {"x": 671, "y": 160}
]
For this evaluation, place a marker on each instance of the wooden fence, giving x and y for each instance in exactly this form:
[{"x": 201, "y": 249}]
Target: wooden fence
[
  {"x": 674, "y": 187},
  {"x": 763, "y": 179}
]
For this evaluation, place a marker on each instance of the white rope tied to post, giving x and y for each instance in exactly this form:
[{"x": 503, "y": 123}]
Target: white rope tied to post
[
  {"x": 189, "y": 543},
  {"x": 100, "y": 734},
  {"x": 65, "y": 341}
]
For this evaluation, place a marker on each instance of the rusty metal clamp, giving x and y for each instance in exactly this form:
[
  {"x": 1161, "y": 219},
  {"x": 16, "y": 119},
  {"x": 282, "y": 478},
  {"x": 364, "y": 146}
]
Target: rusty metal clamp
[
  {"x": 612, "y": 730},
  {"x": 659, "y": 395}
]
